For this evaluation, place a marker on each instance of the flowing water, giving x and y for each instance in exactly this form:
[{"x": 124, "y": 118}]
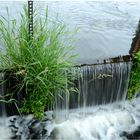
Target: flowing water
[
  {"x": 118, "y": 121},
  {"x": 98, "y": 84},
  {"x": 5, "y": 132},
  {"x": 2, "y": 89},
  {"x": 102, "y": 122}
]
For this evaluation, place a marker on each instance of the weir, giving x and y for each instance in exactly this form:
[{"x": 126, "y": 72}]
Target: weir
[{"x": 98, "y": 84}]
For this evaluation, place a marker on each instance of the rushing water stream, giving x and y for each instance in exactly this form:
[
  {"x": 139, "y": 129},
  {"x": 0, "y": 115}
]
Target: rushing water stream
[
  {"x": 117, "y": 121},
  {"x": 102, "y": 122}
]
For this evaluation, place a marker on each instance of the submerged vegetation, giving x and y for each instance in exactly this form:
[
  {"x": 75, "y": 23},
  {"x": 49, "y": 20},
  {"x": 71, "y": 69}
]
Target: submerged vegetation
[{"x": 40, "y": 64}]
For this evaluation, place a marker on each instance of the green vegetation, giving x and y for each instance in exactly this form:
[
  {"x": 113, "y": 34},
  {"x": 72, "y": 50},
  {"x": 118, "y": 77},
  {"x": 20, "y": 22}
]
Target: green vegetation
[
  {"x": 134, "y": 82},
  {"x": 40, "y": 64}
]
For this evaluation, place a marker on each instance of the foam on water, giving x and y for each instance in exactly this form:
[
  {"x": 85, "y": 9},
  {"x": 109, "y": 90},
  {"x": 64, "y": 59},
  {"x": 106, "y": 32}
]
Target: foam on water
[
  {"x": 5, "y": 131},
  {"x": 117, "y": 121},
  {"x": 102, "y": 122}
]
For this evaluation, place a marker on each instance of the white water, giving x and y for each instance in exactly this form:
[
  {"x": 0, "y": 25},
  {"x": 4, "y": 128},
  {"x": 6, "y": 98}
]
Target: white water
[
  {"x": 101, "y": 122},
  {"x": 105, "y": 122},
  {"x": 5, "y": 131}
]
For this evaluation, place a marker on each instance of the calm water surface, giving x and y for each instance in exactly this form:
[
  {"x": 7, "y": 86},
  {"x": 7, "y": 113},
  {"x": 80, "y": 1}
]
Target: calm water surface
[{"x": 106, "y": 28}]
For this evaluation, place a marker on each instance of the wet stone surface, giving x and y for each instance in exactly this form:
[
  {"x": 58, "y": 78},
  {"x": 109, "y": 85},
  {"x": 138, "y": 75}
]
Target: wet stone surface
[{"x": 26, "y": 128}]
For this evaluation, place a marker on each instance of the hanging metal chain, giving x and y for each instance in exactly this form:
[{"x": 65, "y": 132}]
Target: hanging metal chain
[{"x": 30, "y": 16}]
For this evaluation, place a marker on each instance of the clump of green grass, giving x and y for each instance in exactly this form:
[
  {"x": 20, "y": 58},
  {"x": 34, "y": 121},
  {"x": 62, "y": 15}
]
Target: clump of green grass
[{"x": 41, "y": 62}]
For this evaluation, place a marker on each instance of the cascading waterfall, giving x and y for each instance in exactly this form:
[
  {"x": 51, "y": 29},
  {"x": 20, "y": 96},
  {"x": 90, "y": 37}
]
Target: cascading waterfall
[
  {"x": 5, "y": 132},
  {"x": 98, "y": 84},
  {"x": 2, "y": 89},
  {"x": 102, "y": 84}
]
